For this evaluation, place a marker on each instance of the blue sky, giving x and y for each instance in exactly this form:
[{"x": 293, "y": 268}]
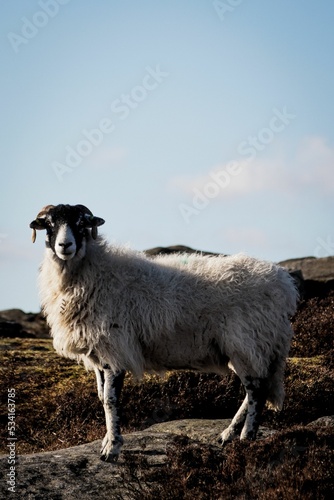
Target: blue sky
[{"x": 202, "y": 123}]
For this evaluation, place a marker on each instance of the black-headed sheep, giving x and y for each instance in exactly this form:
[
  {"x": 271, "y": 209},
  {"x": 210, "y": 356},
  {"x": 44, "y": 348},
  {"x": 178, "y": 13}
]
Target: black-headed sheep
[{"x": 117, "y": 310}]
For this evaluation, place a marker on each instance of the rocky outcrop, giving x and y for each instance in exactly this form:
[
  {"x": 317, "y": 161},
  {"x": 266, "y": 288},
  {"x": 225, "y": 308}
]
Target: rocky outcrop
[
  {"x": 176, "y": 249},
  {"x": 204, "y": 430},
  {"x": 314, "y": 269},
  {"x": 78, "y": 472},
  {"x": 314, "y": 277},
  {"x": 14, "y": 323}
]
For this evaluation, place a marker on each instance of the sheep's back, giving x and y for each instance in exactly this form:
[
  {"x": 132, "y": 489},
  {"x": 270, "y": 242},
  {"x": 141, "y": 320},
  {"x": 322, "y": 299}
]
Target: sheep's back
[{"x": 121, "y": 302}]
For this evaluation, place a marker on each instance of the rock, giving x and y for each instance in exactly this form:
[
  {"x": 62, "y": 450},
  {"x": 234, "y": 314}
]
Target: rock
[
  {"x": 17, "y": 323},
  {"x": 206, "y": 431},
  {"x": 323, "y": 421},
  {"x": 79, "y": 472},
  {"x": 314, "y": 277},
  {"x": 175, "y": 249},
  {"x": 12, "y": 329},
  {"x": 321, "y": 269}
]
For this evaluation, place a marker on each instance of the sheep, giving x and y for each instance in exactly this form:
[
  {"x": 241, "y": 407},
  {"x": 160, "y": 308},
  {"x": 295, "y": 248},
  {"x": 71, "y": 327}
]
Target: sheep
[{"x": 117, "y": 311}]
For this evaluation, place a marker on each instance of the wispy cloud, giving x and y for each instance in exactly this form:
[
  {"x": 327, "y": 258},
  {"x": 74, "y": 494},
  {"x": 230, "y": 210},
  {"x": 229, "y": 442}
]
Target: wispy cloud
[
  {"x": 12, "y": 249},
  {"x": 312, "y": 166},
  {"x": 246, "y": 237},
  {"x": 252, "y": 177},
  {"x": 316, "y": 158},
  {"x": 109, "y": 158}
]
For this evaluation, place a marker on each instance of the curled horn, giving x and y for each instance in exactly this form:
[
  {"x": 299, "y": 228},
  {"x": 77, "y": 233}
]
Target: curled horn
[
  {"x": 41, "y": 215},
  {"x": 45, "y": 210}
]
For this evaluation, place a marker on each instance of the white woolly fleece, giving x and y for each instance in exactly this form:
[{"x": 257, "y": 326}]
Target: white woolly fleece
[{"x": 121, "y": 308}]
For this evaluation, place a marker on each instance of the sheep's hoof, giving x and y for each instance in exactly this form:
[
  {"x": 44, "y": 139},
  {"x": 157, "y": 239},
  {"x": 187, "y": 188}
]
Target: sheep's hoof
[
  {"x": 223, "y": 442},
  {"x": 111, "y": 458},
  {"x": 110, "y": 450},
  {"x": 226, "y": 437}
]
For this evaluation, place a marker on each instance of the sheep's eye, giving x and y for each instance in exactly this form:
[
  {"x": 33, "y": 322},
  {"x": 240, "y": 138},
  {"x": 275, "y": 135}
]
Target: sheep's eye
[
  {"x": 49, "y": 225},
  {"x": 48, "y": 228}
]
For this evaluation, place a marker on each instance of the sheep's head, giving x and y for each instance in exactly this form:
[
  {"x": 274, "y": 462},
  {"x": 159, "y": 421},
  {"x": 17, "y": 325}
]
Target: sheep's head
[{"x": 67, "y": 229}]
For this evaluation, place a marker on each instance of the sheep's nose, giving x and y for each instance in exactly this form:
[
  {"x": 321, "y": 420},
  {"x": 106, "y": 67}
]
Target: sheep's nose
[{"x": 65, "y": 245}]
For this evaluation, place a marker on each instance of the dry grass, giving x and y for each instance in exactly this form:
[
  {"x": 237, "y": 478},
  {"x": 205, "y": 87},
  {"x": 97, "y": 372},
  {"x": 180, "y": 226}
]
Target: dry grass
[{"x": 293, "y": 464}]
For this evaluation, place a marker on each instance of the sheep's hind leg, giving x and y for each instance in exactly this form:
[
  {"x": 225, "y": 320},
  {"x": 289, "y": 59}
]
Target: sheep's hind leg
[
  {"x": 113, "y": 441},
  {"x": 235, "y": 427},
  {"x": 246, "y": 421},
  {"x": 256, "y": 389}
]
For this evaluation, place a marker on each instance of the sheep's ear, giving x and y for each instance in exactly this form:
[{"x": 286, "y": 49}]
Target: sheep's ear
[
  {"x": 97, "y": 221},
  {"x": 93, "y": 222},
  {"x": 38, "y": 223}
]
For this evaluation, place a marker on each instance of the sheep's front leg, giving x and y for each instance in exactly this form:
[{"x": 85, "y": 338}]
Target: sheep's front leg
[
  {"x": 100, "y": 384},
  {"x": 112, "y": 387}
]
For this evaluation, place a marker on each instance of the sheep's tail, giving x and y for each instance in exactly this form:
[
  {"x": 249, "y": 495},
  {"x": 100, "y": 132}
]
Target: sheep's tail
[
  {"x": 275, "y": 378},
  {"x": 275, "y": 387},
  {"x": 289, "y": 288}
]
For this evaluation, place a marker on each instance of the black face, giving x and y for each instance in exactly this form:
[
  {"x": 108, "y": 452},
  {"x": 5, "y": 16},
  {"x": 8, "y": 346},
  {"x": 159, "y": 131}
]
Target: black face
[
  {"x": 60, "y": 223},
  {"x": 67, "y": 229}
]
